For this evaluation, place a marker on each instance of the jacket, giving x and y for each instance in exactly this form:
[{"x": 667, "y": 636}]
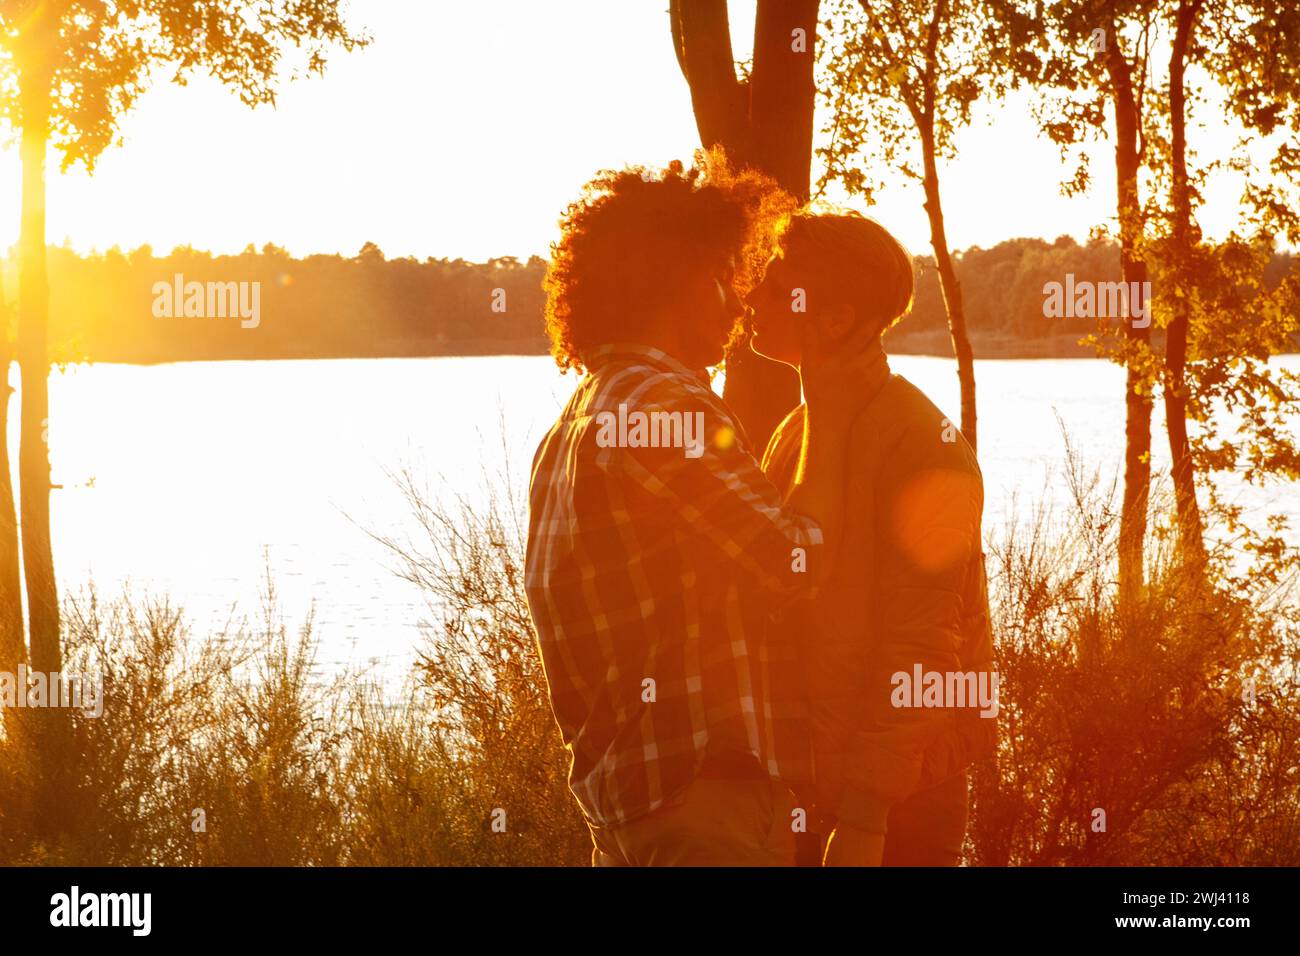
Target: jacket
[{"x": 906, "y": 601}]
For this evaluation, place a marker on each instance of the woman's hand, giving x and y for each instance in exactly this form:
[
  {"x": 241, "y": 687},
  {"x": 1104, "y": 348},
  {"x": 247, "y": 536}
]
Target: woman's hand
[
  {"x": 837, "y": 370},
  {"x": 848, "y": 846}
]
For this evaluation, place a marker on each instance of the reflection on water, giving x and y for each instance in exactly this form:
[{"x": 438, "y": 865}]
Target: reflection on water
[{"x": 195, "y": 479}]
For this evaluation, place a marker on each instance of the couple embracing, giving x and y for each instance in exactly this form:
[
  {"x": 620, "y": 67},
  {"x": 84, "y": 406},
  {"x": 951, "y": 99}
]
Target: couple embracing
[{"x": 725, "y": 629}]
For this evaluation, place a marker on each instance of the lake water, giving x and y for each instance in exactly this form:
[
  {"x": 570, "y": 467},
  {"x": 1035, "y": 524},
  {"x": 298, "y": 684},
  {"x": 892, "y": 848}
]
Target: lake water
[{"x": 192, "y": 480}]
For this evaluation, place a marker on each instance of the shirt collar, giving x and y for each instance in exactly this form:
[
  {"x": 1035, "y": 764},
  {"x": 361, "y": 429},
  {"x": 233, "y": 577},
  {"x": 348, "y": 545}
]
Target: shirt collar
[
  {"x": 869, "y": 382},
  {"x": 635, "y": 351}
]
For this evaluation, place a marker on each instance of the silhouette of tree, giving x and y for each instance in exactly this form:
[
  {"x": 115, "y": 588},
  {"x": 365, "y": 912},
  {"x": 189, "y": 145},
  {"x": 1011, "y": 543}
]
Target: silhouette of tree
[
  {"x": 71, "y": 69},
  {"x": 902, "y": 76},
  {"x": 1086, "y": 55},
  {"x": 12, "y": 650},
  {"x": 1223, "y": 321},
  {"x": 764, "y": 120}
]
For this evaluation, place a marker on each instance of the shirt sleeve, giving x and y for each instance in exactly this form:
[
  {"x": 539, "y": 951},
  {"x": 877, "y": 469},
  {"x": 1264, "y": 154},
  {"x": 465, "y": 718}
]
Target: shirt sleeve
[{"x": 713, "y": 489}]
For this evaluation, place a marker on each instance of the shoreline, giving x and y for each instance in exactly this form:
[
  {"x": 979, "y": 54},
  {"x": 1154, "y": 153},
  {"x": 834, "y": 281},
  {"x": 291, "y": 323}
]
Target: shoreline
[{"x": 934, "y": 344}]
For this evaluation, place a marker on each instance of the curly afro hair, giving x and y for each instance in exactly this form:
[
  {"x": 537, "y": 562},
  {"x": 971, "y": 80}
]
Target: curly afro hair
[{"x": 634, "y": 234}]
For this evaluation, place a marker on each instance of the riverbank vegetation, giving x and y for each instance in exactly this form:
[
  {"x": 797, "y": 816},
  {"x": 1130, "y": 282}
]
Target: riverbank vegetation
[{"x": 1163, "y": 733}]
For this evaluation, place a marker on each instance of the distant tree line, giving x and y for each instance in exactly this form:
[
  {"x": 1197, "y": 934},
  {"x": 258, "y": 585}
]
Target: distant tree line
[
  {"x": 102, "y": 306},
  {"x": 332, "y": 306},
  {"x": 1002, "y": 289}
]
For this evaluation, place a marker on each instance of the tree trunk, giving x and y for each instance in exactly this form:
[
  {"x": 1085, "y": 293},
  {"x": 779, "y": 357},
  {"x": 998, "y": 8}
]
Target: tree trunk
[
  {"x": 1137, "y": 394},
  {"x": 47, "y": 729},
  {"x": 952, "y": 301},
  {"x": 765, "y": 123},
  {"x": 34, "y": 370},
  {"x": 12, "y": 647},
  {"x": 782, "y": 93},
  {"x": 1191, "y": 542},
  {"x": 702, "y": 40}
]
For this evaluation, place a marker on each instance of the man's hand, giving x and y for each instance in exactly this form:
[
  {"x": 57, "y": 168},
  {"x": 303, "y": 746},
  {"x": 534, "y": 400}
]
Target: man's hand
[
  {"x": 848, "y": 846},
  {"x": 836, "y": 370}
]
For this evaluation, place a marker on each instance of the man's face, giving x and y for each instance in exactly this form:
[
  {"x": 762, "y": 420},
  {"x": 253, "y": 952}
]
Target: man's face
[
  {"x": 775, "y": 323},
  {"x": 712, "y": 308}
]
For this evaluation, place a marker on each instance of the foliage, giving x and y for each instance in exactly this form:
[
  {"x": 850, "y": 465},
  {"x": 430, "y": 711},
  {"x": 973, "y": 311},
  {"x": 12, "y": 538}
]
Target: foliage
[
  {"x": 1141, "y": 713},
  {"x": 289, "y": 771},
  {"x": 97, "y": 58},
  {"x": 894, "y": 72},
  {"x": 1145, "y": 712}
]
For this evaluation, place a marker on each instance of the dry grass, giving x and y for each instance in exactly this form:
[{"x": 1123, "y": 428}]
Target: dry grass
[
  {"x": 1138, "y": 713},
  {"x": 288, "y": 772}
]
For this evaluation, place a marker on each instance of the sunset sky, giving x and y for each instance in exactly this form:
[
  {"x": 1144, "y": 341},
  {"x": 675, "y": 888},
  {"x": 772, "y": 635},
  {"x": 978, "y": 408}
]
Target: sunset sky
[{"x": 464, "y": 129}]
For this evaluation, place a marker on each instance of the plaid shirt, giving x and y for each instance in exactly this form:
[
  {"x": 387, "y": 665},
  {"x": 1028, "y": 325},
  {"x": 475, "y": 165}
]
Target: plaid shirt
[{"x": 661, "y": 564}]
